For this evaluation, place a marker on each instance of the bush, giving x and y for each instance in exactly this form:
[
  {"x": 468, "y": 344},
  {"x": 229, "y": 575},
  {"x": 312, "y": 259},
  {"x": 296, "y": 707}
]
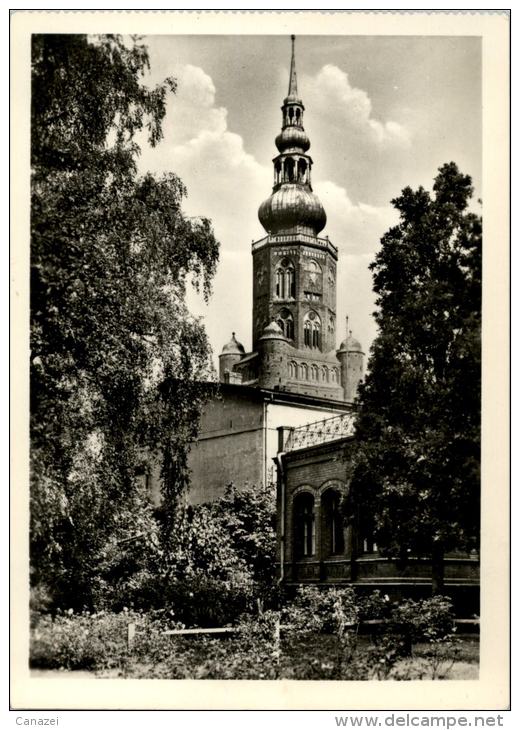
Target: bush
[
  {"x": 220, "y": 558},
  {"x": 94, "y": 641},
  {"x": 206, "y": 601},
  {"x": 315, "y": 609},
  {"x": 314, "y": 636},
  {"x": 431, "y": 619}
]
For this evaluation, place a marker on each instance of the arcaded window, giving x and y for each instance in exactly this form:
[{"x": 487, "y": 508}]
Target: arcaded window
[
  {"x": 302, "y": 171},
  {"x": 304, "y": 371},
  {"x": 289, "y": 169},
  {"x": 304, "y": 526},
  {"x": 286, "y": 323},
  {"x": 334, "y": 375},
  {"x": 312, "y": 330},
  {"x": 277, "y": 172},
  {"x": 333, "y": 540},
  {"x": 293, "y": 370},
  {"x": 285, "y": 288}
]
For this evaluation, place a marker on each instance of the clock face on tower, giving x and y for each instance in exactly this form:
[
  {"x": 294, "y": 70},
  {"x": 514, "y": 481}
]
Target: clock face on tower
[{"x": 312, "y": 272}]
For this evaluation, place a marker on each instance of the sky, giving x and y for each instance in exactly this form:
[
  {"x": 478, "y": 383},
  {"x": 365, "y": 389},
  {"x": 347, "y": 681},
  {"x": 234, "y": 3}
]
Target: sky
[{"x": 382, "y": 113}]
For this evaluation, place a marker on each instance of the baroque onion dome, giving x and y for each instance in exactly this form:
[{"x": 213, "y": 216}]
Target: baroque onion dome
[{"x": 292, "y": 203}]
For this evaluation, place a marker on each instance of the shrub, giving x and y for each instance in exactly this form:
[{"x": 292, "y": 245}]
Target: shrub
[
  {"x": 323, "y": 610},
  {"x": 426, "y": 620},
  {"x": 93, "y": 641},
  {"x": 219, "y": 560},
  {"x": 203, "y": 600}
]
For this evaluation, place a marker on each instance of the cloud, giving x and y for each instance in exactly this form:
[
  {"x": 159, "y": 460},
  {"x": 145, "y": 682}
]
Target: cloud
[
  {"x": 354, "y": 228},
  {"x": 224, "y": 182},
  {"x": 349, "y": 109}
]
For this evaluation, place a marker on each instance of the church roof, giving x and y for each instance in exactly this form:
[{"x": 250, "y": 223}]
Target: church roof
[
  {"x": 292, "y": 205},
  {"x": 292, "y": 202},
  {"x": 350, "y": 344},
  {"x": 292, "y": 94},
  {"x": 233, "y": 347},
  {"x": 273, "y": 331}
]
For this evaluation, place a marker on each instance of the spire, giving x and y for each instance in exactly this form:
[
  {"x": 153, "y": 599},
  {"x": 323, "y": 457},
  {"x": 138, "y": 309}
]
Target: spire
[
  {"x": 293, "y": 83},
  {"x": 292, "y": 202}
]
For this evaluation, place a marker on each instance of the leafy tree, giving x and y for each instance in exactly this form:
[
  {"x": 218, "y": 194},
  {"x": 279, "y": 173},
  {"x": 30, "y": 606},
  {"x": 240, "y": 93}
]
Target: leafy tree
[
  {"x": 115, "y": 353},
  {"x": 220, "y": 560},
  {"x": 416, "y": 477},
  {"x": 248, "y": 515}
]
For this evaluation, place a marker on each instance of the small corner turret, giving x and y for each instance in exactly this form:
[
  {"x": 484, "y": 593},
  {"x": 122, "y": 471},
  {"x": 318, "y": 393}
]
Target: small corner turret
[{"x": 351, "y": 357}]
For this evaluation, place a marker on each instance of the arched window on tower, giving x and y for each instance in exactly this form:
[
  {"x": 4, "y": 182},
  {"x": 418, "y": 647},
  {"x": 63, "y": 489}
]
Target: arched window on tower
[
  {"x": 286, "y": 323},
  {"x": 285, "y": 288},
  {"x": 316, "y": 334},
  {"x": 298, "y": 116},
  {"x": 304, "y": 526},
  {"x": 291, "y": 114},
  {"x": 289, "y": 169},
  {"x": 302, "y": 171},
  {"x": 277, "y": 171},
  {"x": 312, "y": 330}
]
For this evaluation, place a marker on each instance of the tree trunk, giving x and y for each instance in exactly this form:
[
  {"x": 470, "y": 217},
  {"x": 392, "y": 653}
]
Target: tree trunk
[{"x": 437, "y": 570}]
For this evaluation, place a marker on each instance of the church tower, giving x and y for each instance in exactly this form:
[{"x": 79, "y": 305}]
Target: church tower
[
  {"x": 294, "y": 271},
  {"x": 294, "y": 282}
]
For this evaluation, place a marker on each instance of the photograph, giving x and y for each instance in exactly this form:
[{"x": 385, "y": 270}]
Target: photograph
[{"x": 257, "y": 366}]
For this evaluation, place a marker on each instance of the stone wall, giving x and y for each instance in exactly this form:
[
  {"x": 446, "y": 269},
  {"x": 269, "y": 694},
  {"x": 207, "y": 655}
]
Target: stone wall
[{"x": 230, "y": 446}]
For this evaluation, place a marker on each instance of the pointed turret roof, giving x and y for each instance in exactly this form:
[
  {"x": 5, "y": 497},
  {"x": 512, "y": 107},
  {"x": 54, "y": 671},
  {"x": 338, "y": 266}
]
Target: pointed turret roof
[
  {"x": 233, "y": 347},
  {"x": 350, "y": 344},
  {"x": 292, "y": 94},
  {"x": 273, "y": 331}
]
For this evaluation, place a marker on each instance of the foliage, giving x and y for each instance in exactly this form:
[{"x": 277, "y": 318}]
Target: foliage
[
  {"x": 115, "y": 354},
  {"x": 416, "y": 479},
  {"x": 220, "y": 558},
  {"x": 430, "y": 619},
  {"x": 316, "y": 636},
  {"x": 95, "y": 641},
  {"x": 317, "y": 610},
  {"x": 248, "y": 515}
]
